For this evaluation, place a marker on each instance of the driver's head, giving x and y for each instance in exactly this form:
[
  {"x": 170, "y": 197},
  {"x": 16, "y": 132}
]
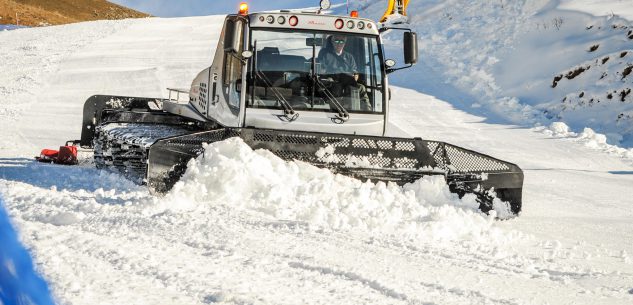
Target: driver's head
[{"x": 338, "y": 41}]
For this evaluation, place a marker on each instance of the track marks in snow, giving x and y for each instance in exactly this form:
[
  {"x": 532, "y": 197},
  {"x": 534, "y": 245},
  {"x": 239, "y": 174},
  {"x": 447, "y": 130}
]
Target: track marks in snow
[
  {"x": 202, "y": 254},
  {"x": 99, "y": 238},
  {"x": 31, "y": 58},
  {"x": 388, "y": 292},
  {"x": 454, "y": 294}
]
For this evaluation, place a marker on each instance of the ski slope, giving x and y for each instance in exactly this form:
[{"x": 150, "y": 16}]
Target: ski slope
[
  {"x": 244, "y": 227},
  {"x": 528, "y": 62}
]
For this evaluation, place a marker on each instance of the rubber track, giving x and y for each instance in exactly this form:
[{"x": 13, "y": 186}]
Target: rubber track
[{"x": 124, "y": 147}]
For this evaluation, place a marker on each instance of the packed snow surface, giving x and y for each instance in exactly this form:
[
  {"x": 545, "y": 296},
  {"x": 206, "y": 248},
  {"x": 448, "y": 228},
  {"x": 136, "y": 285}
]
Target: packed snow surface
[{"x": 245, "y": 227}]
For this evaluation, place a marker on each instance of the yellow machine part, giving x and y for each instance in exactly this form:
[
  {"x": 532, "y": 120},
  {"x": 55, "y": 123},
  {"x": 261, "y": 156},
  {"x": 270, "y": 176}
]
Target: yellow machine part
[{"x": 395, "y": 6}]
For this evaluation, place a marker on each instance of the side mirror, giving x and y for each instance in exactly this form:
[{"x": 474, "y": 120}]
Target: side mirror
[
  {"x": 231, "y": 36},
  {"x": 410, "y": 48}
]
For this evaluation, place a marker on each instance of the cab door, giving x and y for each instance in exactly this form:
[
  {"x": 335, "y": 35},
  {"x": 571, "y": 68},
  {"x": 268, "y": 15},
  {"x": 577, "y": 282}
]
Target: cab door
[{"x": 226, "y": 73}]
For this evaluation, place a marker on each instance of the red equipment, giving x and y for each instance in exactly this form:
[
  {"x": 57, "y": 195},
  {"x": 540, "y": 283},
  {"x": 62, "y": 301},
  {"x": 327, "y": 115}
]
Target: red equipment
[{"x": 66, "y": 155}]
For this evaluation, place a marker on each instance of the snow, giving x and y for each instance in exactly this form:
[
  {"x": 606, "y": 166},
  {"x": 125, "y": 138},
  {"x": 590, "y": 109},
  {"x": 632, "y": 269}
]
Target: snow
[
  {"x": 499, "y": 59},
  {"x": 245, "y": 227},
  {"x": 299, "y": 192},
  {"x": 589, "y": 138},
  {"x": 620, "y": 8}
]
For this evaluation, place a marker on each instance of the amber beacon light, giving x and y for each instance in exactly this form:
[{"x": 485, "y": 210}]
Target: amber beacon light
[{"x": 243, "y": 8}]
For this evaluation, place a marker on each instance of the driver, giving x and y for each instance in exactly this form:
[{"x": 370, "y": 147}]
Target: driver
[{"x": 334, "y": 59}]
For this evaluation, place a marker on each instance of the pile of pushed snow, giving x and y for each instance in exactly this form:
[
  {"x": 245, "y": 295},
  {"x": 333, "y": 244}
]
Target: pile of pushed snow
[
  {"x": 587, "y": 137},
  {"x": 230, "y": 173}
]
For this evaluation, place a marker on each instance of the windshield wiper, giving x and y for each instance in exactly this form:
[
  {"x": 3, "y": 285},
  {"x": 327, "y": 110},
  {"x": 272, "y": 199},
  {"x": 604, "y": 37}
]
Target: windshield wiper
[
  {"x": 342, "y": 114},
  {"x": 289, "y": 113}
]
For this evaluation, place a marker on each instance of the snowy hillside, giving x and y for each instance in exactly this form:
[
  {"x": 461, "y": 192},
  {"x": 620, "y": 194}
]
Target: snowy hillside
[
  {"x": 530, "y": 62},
  {"x": 245, "y": 227}
]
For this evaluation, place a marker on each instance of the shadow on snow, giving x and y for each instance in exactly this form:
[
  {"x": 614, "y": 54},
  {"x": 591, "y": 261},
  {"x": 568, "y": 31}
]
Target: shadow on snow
[{"x": 71, "y": 178}]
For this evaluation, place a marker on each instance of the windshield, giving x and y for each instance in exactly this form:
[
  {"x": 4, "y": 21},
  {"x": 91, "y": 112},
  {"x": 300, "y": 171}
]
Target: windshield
[{"x": 315, "y": 71}]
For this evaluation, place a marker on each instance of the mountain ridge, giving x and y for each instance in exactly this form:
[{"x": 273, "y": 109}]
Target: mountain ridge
[{"x": 45, "y": 12}]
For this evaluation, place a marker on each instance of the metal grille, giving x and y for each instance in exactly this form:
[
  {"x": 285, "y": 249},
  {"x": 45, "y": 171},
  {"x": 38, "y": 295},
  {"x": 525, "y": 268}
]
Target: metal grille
[
  {"x": 364, "y": 157},
  {"x": 373, "y": 152},
  {"x": 264, "y": 137},
  {"x": 404, "y": 146},
  {"x": 364, "y": 143},
  {"x": 380, "y": 161},
  {"x": 295, "y": 155},
  {"x": 335, "y": 141},
  {"x": 297, "y": 139},
  {"x": 348, "y": 151},
  {"x": 385, "y": 144},
  {"x": 405, "y": 163},
  {"x": 461, "y": 160}
]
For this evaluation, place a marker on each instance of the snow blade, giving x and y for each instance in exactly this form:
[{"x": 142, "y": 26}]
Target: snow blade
[{"x": 385, "y": 159}]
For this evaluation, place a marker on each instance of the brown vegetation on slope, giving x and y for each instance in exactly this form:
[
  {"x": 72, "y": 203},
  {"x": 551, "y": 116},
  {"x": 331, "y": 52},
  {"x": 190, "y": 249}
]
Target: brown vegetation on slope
[{"x": 52, "y": 12}]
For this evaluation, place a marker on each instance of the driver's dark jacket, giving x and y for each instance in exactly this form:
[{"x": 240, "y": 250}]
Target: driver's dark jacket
[{"x": 332, "y": 63}]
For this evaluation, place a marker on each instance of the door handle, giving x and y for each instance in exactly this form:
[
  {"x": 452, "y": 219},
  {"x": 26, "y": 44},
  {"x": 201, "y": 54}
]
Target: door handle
[{"x": 215, "y": 98}]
